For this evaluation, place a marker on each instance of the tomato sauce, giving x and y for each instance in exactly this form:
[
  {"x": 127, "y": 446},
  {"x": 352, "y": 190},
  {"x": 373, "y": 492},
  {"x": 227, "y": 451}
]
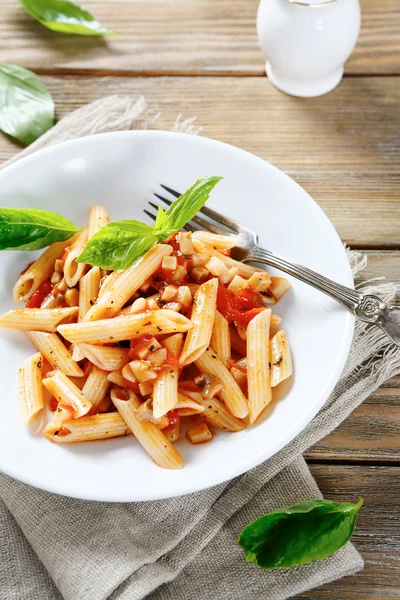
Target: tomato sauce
[
  {"x": 242, "y": 307},
  {"x": 41, "y": 293},
  {"x": 173, "y": 417},
  {"x": 53, "y": 404},
  {"x": 138, "y": 344}
]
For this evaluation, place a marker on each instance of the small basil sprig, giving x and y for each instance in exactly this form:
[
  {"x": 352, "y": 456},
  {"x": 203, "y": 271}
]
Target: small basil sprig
[
  {"x": 299, "y": 534},
  {"x": 32, "y": 229},
  {"x": 64, "y": 16},
  {"x": 26, "y": 106},
  {"x": 120, "y": 243}
]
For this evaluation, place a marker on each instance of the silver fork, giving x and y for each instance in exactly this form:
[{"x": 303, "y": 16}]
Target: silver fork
[{"x": 366, "y": 307}]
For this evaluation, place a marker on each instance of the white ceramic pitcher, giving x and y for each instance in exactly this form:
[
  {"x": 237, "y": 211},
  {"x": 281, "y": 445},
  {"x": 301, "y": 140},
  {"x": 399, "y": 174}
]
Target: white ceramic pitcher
[{"x": 307, "y": 42}]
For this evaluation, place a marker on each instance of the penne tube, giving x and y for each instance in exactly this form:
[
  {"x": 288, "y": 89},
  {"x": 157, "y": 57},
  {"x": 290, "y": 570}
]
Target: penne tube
[
  {"x": 88, "y": 291},
  {"x": 220, "y": 337},
  {"x": 86, "y": 429},
  {"x": 30, "y": 387},
  {"x": 66, "y": 392},
  {"x": 147, "y": 433},
  {"x": 220, "y": 242},
  {"x": 125, "y": 327},
  {"x": 214, "y": 412},
  {"x": 258, "y": 373},
  {"x": 38, "y": 319},
  {"x": 119, "y": 291},
  {"x": 165, "y": 392},
  {"x": 73, "y": 271},
  {"x": 38, "y": 272},
  {"x": 55, "y": 352},
  {"x": 280, "y": 358},
  {"x": 96, "y": 386},
  {"x": 198, "y": 338},
  {"x": 231, "y": 393},
  {"x": 106, "y": 358},
  {"x": 108, "y": 281},
  {"x": 244, "y": 269},
  {"x": 98, "y": 218},
  {"x": 188, "y": 406}
]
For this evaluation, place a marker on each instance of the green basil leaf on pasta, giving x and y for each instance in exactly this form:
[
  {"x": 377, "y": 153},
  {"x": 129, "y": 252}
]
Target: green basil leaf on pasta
[
  {"x": 118, "y": 245},
  {"x": 22, "y": 229}
]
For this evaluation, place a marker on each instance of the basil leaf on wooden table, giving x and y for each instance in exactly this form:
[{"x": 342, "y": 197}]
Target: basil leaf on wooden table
[
  {"x": 64, "y": 17},
  {"x": 120, "y": 243},
  {"x": 26, "y": 106},
  {"x": 299, "y": 534},
  {"x": 32, "y": 229}
]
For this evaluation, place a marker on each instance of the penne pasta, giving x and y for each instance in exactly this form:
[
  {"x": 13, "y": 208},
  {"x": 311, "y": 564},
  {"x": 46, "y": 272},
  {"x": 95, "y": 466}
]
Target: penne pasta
[
  {"x": 88, "y": 291},
  {"x": 280, "y": 358},
  {"x": 237, "y": 343},
  {"x": 30, "y": 387},
  {"x": 231, "y": 393},
  {"x": 187, "y": 407},
  {"x": 119, "y": 380},
  {"x": 106, "y": 358},
  {"x": 96, "y": 386},
  {"x": 220, "y": 337},
  {"x": 86, "y": 429},
  {"x": 258, "y": 373},
  {"x": 215, "y": 412},
  {"x": 67, "y": 393},
  {"x": 198, "y": 338},
  {"x": 244, "y": 269},
  {"x": 39, "y": 271},
  {"x": 279, "y": 286},
  {"x": 165, "y": 392},
  {"x": 55, "y": 352},
  {"x": 73, "y": 271},
  {"x": 38, "y": 319},
  {"x": 147, "y": 433},
  {"x": 98, "y": 218},
  {"x": 127, "y": 326},
  {"x": 219, "y": 242},
  {"x": 120, "y": 290}
]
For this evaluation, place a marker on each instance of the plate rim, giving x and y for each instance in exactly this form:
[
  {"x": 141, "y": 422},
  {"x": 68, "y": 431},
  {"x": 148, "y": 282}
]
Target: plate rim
[{"x": 292, "y": 433}]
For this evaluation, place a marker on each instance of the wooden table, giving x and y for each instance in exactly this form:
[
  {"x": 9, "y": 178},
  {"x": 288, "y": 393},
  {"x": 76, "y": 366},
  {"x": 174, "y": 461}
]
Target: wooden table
[{"x": 201, "y": 58}]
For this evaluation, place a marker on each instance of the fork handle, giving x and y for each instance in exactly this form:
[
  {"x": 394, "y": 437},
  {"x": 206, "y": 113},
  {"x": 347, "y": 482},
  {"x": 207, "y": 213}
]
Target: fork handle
[{"x": 366, "y": 307}]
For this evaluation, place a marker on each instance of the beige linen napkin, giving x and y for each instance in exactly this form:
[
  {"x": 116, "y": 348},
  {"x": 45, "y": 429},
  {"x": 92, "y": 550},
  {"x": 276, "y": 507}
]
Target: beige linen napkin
[{"x": 182, "y": 548}]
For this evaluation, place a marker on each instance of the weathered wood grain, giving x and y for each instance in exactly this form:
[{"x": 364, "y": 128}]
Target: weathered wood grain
[
  {"x": 177, "y": 36},
  {"x": 371, "y": 433},
  {"x": 343, "y": 148},
  {"x": 377, "y": 533}
]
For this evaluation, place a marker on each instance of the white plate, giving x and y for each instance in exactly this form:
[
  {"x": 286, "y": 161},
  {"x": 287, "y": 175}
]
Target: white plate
[{"x": 121, "y": 171}]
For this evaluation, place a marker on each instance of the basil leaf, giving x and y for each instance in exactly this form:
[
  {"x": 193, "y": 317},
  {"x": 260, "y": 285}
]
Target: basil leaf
[
  {"x": 299, "y": 534},
  {"x": 26, "y": 107},
  {"x": 32, "y": 229},
  {"x": 161, "y": 223},
  {"x": 186, "y": 206},
  {"x": 118, "y": 245},
  {"x": 64, "y": 17}
]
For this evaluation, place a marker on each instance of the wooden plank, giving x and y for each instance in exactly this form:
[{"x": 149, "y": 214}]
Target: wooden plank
[
  {"x": 218, "y": 36},
  {"x": 377, "y": 533},
  {"x": 343, "y": 148},
  {"x": 371, "y": 433}
]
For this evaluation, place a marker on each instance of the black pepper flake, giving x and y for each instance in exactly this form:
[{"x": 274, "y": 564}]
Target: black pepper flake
[
  {"x": 171, "y": 371},
  {"x": 91, "y": 302},
  {"x": 152, "y": 348},
  {"x": 213, "y": 356},
  {"x": 57, "y": 432},
  {"x": 269, "y": 364},
  {"x": 159, "y": 328},
  {"x": 111, "y": 337},
  {"x": 39, "y": 364},
  {"x": 278, "y": 362}
]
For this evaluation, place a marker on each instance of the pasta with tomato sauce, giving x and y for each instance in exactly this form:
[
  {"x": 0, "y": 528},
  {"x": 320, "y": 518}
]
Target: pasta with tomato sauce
[{"x": 184, "y": 340}]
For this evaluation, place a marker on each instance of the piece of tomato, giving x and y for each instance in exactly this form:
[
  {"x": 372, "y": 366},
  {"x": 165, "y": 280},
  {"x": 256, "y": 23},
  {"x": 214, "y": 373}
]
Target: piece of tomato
[
  {"x": 173, "y": 420},
  {"x": 37, "y": 298}
]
